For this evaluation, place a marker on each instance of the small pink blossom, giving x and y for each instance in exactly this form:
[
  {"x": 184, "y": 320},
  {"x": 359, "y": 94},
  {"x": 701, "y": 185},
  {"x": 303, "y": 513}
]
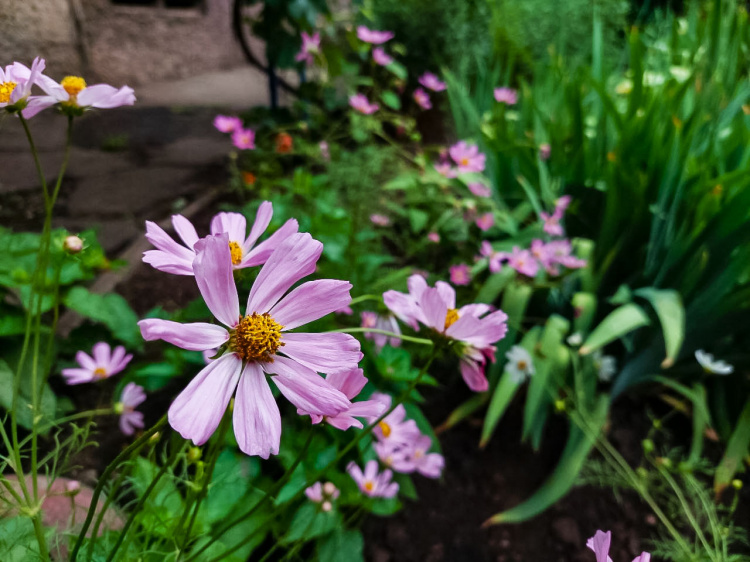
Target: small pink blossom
[
  {"x": 359, "y": 102},
  {"x": 310, "y": 46},
  {"x": 445, "y": 169},
  {"x": 600, "y": 544},
  {"x": 350, "y": 382},
  {"x": 507, "y": 96},
  {"x": 386, "y": 323},
  {"x": 412, "y": 457},
  {"x": 323, "y": 494},
  {"x": 373, "y": 36},
  {"x": 130, "y": 420},
  {"x": 104, "y": 364},
  {"x": 485, "y": 221},
  {"x": 467, "y": 157},
  {"x": 460, "y": 274},
  {"x": 560, "y": 251},
  {"x": 381, "y": 57},
  {"x": 552, "y": 224},
  {"x": 380, "y": 220},
  {"x": 433, "y": 237},
  {"x": 523, "y": 262},
  {"x": 494, "y": 259},
  {"x": 227, "y": 124},
  {"x": 325, "y": 152},
  {"x": 244, "y": 139},
  {"x": 431, "y": 82},
  {"x": 422, "y": 99},
  {"x": 545, "y": 150},
  {"x": 479, "y": 189},
  {"x": 562, "y": 203},
  {"x": 372, "y": 483}
]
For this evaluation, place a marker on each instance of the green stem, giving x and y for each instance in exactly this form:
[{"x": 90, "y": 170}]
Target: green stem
[
  {"x": 421, "y": 341},
  {"x": 133, "y": 447},
  {"x": 363, "y": 298}
]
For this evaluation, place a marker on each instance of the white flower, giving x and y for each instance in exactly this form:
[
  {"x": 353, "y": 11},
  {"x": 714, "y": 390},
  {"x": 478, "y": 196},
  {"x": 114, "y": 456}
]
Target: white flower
[
  {"x": 574, "y": 340},
  {"x": 605, "y": 365},
  {"x": 711, "y": 365},
  {"x": 519, "y": 364}
]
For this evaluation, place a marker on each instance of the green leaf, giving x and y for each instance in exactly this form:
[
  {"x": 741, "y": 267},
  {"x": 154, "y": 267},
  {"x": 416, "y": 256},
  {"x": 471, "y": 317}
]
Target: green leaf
[
  {"x": 111, "y": 310},
  {"x": 17, "y": 540},
  {"x": 619, "y": 322},
  {"x": 737, "y": 449},
  {"x": 464, "y": 411},
  {"x": 668, "y": 306},
  {"x": 342, "y": 546},
  {"x": 564, "y": 476},
  {"x": 394, "y": 363},
  {"x": 310, "y": 522},
  {"x": 391, "y": 99},
  {"x": 164, "y": 505},
  {"x": 24, "y": 415},
  {"x": 398, "y": 69},
  {"x": 494, "y": 285}
]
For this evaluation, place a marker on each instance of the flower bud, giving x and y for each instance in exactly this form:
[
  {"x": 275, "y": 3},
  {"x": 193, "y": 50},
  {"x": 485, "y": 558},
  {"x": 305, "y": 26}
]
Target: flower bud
[
  {"x": 194, "y": 454},
  {"x": 329, "y": 489},
  {"x": 737, "y": 484},
  {"x": 642, "y": 472},
  {"x": 72, "y": 244},
  {"x": 648, "y": 446},
  {"x": 326, "y": 506},
  {"x": 72, "y": 488}
]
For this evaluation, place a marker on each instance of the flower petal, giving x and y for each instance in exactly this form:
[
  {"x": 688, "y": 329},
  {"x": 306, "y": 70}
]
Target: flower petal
[
  {"x": 434, "y": 309},
  {"x": 310, "y": 301},
  {"x": 233, "y": 224},
  {"x": 105, "y": 96},
  {"x": 323, "y": 353},
  {"x": 196, "y": 412},
  {"x": 404, "y": 306},
  {"x": 257, "y": 421},
  {"x": 260, "y": 253},
  {"x": 213, "y": 273},
  {"x": 77, "y": 376},
  {"x": 185, "y": 230},
  {"x": 349, "y": 382},
  {"x": 473, "y": 375},
  {"x": 262, "y": 220},
  {"x": 447, "y": 292},
  {"x": 304, "y": 388},
  {"x": 197, "y": 336},
  {"x": 102, "y": 353},
  {"x": 294, "y": 259}
]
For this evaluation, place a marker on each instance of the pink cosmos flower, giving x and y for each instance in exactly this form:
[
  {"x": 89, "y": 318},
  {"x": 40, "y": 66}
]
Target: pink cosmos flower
[
  {"x": 562, "y": 203},
  {"x": 350, "y": 383},
  {"x": 460, "y": 274},
  {"x": 371, "y": 483},
  {"x": 479, "y": 189},
  {"x": 433, "y": 237},
  {"x": 508, "y": 96},
  {"x": 413, "y": 457},
  {"x": 359, "y": 102},
  {"x": 485, "y": 221},
  {"x": 431, "y": 82},
  {"x": 445, "y": 169},
  {"x": 545, "y": 150},
  {"x": 244, "y": 139},
  {"x": 380, "y": 220},
  {"x": 495, "y": 259},
  {"x": 422, "y": 99},
  {"x": 394, "y": 429},
  {"x": 600, "y": 543},
  {"x": 560, "y": 251},
  {"x": 380, "y": 322},
  {"x": 172, "y": 257},
  {"x": 227, "y": 124},
  {"x": 73, "y": 91},
  {"x": 543, "y": 254},
  {"x": 552, "y": 224},
  {"x": 310, "y": 46},
  {"x": 347, "y": 310},
  {"x": 324, "y": 494},
  {"x": 102, "y": 365},
  {"x": 470, "y": 325},
  {"x": 16, "y": 81},
  {"x": 523, "y": 262},
  {"x": 467, "y": 157},
  {"x": 381, "y": 57},
  {"x": 254, "y": 342},
  {"x": 130, "y": 420},
  {"x": 372, "y": 36}
]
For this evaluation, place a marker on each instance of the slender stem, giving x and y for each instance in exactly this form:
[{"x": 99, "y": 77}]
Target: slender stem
[
  {"x": 363, "y": 298},
  {"x": 35, "y": 155},
  {"x": 412, "y": 339},
  {"x": 133, "y": 447}
]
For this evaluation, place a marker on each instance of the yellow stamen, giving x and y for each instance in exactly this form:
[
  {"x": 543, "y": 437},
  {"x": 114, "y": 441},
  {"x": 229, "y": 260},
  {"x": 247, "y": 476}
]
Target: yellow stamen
[
  {"x": 451, "y": 318},
  {"x": 385, "y": 428},
  {"x": 257, "y": 337},
  {"x": 369, "y": 486},
  {"x": 522, "y": 365},
  {"x": 236, "y": 251},
  {"x": 100, "y": 373},
  {"x": 73, "y": 85},
  {"x": 464, "y": 161},
  {"x": 418, "y": 454},
  {"x": 6, "y": 89}
]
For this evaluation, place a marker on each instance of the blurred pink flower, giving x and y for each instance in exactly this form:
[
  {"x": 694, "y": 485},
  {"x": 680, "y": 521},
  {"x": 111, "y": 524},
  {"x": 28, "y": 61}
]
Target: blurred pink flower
[
  {"x": 485, "y": 221},
  {"x": 324, "y": 494},
  {"x": 523, "y": 262},
  {"x": 394, "y": 428},
  {"x": 244, "y": 139},
  {"x": 386, "y": 323},
  {"x": 254, "y": 343},
  {"x": 431, "y": 82},
  {"x": 16, "y": 81},
  {"x": 445, "y": 169},
  {"x": 325, "y": 152},
  {"x": 460, "y": 274},
  {"x": 562, "y": 203},
  {"x": 381, "y": 57},
  {"x": 560, "y": 251},
  {"x": 552, "y": 224},
  {"x": 372, "y": 36},
  {"x": 372, "y": 483},
  {"x": 545, "y": 150},
  {"x": 359, "y": 102},
  {"x": 130, "y": 420},
  {"x": 422, "y": 99},
  {"x": 433, "y": 237},
  {"x": 380, "y": 220},
  {"x": 413, "y": 457},
  {"x": 467, "y": 157},
  {"x": 104, "y": 364},
  {"x": 227, "y": 124},
  {"x": 494, "y": 259},
  {"x": 479, "y": 189},
  {"x": 174, "y": 258},
  {"x": 310, "y": 46},
  {"x": 350, "y": 382},
  {"x": 507, "y": 96}
]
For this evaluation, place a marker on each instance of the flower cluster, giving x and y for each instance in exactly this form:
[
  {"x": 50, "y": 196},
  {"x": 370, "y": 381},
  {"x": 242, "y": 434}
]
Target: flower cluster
[
  {"x": 242, "y": 138},
  {"x": 385, "y": 322},
  {"x": 323, "y": 494}
]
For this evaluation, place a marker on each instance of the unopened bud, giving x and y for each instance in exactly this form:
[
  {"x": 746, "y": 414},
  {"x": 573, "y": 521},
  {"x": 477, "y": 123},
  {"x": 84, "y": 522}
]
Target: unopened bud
[
  {"x": 657, "y": 424},
  {"x": 72, "y": 488},
  {"x": 642, "y": 472},
  {"x": 72, "y": 244},
  {"x": 155, "y": 437},
  {"x": 329, "y": 489},
  {"x": 665, "y": 462},
  {"x": 737, "y": 484},
  {"x": 326, "y": 506},
  {"x": 560, "y": 405},
  {"x": 648, "y": 446},
  {"x": 194, "y": 454}
]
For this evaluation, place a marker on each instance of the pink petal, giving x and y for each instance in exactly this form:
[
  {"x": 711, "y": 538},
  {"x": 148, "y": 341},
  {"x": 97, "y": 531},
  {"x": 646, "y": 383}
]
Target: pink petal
[
  {"x": 196, "y": 412},
  {"x": 234, "y": 224},
  {"x": 599, "y": 543},
  {"x": 349, "y": 382},
  {"x": 213, "y": 273},
  {"x": 257, "y": 421},
  {"x": 434, "y": 309},
  {"x": 324, "y": 353},
  {"x": 304, "y": 388},
  {"x": 294, "y": 259},
  {"x": 432, "y": 466},
  {"x": 417, "y": 285},
  {"x": 403, "y": 306},
  {"x": 476, "y": 310},
  {"x": 77, "y": 376},
  {"x": 102, "y": 352},
  {"x": 447, "y": 292},
  {"x": 310, "y": 301},
  {"x": 368, "y": 409},
  {"x": 262, "y": 220},
  {"x": 85, "y": 360},
  {"x": 185, "y": 230},
  {"x": 105, "y": 96},
  {"x": 198, "y": 336},
  {"x": 473, "y": 375},
  {"x": 168, "y": 263},
  {"x": 260, "y": 253}
]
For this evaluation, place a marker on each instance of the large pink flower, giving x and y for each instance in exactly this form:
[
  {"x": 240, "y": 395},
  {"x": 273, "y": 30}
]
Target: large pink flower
[
  {"x": 104, "y": 363},
  {"x": 171, "y": 257},
  {"x": 436, "y": 309},
  {"x": 360, "y": 103},
  {"x": 467, "y": 157},
  {"x": 130, "y": 420},
  {"x": 253, "y": 345}
]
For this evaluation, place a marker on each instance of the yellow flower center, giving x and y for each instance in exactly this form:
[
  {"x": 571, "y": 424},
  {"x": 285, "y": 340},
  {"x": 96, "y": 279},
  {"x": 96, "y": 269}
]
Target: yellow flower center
[
  {"x": 73, "y": 85},
  {"x": 369, "y": 486},
  {"x": 464, "y": 161},
  {"x": 6, "y": 89},
  {"x": 418, "y": 454},
  {"x": 522, "y": 365},
  {"x": 100, "y": 373},
  {"x": 256, "y": 338},
  {"x": 236, "y": 251},
  {"x": 385, "y": 428},
  {"x": 451, "y": 317}
]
